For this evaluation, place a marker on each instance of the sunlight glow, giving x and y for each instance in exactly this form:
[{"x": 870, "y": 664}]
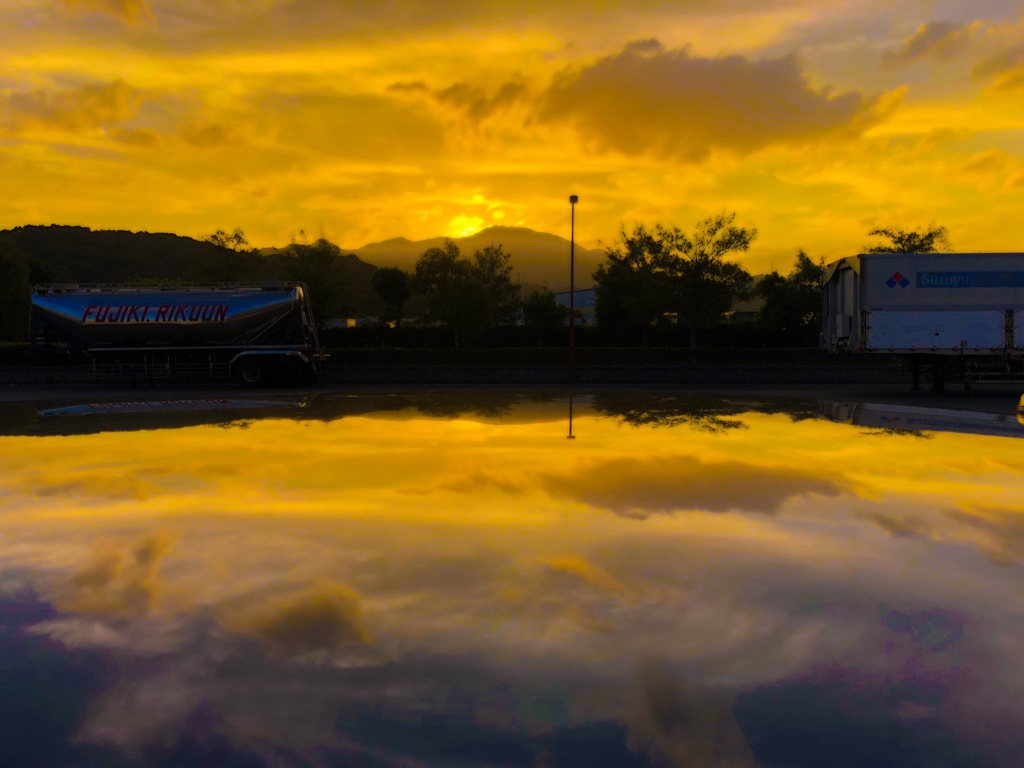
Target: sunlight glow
[{"x": 463, "y": 226}]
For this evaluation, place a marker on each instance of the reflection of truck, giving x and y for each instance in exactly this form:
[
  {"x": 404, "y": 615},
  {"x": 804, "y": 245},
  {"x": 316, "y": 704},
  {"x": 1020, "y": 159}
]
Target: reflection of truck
[
  {"x": 910, "y": 418},
  {"x": 255, "y": 334},
  {"x": 933, "y": 308}
]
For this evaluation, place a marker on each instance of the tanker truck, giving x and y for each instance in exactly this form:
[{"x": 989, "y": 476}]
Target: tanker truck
[{"x": 256, "y": 334}]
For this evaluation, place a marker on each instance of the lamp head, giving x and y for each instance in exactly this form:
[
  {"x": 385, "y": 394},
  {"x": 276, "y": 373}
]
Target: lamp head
[{"x": 573, "y": 199}]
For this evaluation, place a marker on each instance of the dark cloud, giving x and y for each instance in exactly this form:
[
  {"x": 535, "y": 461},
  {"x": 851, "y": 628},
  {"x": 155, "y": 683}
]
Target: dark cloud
[
  {"x": 1001, "y": 527},
  {"x": 683, "y": 726},
  {"x": 128, "y": 11},
  {"x": 141, "y": 138},
  {"x": 639, "y": 486},
  {"x": 900, "y": 527},
  {"x": 649, "y": 100},
  {"x": 85, "y": 108},
  {"x": 1004, "y": 66},
  {"x": 208, "y": 136},
  {"x": 941, "y": 40},
  {"x": 325, "y": 617},
  {"x": 120, "y": 579},
  {"x": 415, "y": 86},
  {"x": 476, "y": 479},
  {"x": 848, "y": 719},
  {"x": 476, "y": 104},
  {"x": 468, "y": 101},
  {"x": 98, "y": 486}
]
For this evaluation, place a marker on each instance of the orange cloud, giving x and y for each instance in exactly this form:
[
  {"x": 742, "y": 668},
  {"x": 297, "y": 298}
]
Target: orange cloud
[
  {"x": 472, "y": 102},
  {"x": 1000, "y": 57},
  {"x": 637, "y": 487},
  {"x": 207, "y": 136},
  {"x": 137, "y": 137},
  {"x": 96, "y": 486},
  {"x": 581, "y": 568},
  {"x": 648, "y": 100},
  {"x": 334, "y": 124},
  {"x": 120, "y": 580},
  {"x": 325, "y": 617},
  {"x": 128, "y": 11},
  {"x": 89, "y": 107},
  {"x": 473, "y": 480},
  {"x": 941, "y": 40}
]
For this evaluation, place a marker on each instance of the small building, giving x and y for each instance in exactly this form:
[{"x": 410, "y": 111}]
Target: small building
[{"x": 583, "y": 300}]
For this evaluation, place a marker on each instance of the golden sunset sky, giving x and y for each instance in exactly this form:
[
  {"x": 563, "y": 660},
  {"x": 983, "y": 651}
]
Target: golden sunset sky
[{"x": 813, "y": 120}]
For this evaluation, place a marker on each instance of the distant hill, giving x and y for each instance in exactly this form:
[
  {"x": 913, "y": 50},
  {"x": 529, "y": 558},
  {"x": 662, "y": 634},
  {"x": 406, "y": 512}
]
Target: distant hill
[
  {"x": 538, "y": 258},
  {"x": 82, "y": 255},
  {"x": 79, "y": 254}
]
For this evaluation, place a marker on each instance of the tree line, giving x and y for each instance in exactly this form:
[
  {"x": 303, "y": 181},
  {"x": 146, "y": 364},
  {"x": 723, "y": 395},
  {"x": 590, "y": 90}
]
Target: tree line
[
  {"x": 655, "y": 279},
  {"x": 659, "y": 283}
]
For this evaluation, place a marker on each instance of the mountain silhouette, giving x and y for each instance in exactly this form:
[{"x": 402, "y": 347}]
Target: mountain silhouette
[
  {"x": 538, "y": 258},
  {"x": 79, "y": 254}
]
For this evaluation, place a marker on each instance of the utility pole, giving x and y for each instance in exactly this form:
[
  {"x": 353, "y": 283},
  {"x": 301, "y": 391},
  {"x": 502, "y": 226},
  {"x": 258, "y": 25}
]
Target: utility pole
[{"x": 573, "y": 199}]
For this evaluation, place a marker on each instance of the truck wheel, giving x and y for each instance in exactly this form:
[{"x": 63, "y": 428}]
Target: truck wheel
[
  {"x": 251, "y": 373},
  {"x": 288, "y": 372}
]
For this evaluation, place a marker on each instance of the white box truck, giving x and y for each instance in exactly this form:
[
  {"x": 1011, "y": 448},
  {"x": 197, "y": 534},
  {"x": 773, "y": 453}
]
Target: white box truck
[{"x": 941, "y": 309}]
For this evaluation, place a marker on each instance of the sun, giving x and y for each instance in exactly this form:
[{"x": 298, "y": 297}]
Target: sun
[{"x": 464, "y": 226}]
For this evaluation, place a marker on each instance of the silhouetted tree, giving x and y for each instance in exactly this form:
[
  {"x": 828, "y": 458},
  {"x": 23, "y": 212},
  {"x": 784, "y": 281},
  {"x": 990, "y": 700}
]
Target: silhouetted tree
[
  {"x": 236, "y": 241},
  {"x": 41, "y": 273},
  {"x": 468, "y": 296},
  {"x": 78, "y": 254},
  {"x": 319, "y": 267},
  {"x": 705, "y": 283},
  {"x": 392, "y": 285},
  {"x": 542, "y": 311},
  {"x": 655, "y": 273},
  {"x": 491, "y": 267},
  {"x": 931, "y": 239},
  {"x": 232, "y": 262},
  {"x": 14, "y": 291},
  {"x": 633, "y": 288},
  {"x": 438, "y": 269},
  {"x": 791, "y": 314},
  {"x": 702, "y": 414}
]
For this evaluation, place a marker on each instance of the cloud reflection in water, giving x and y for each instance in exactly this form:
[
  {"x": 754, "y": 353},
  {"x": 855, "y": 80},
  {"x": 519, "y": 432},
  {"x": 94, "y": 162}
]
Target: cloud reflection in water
[{"x": 472, "y": 590}]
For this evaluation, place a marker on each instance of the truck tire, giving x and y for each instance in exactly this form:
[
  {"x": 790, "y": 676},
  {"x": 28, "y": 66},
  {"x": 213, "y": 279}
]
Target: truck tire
[
  {"x": 251, "y": 372},
  {"x": 288, "y": 372}
]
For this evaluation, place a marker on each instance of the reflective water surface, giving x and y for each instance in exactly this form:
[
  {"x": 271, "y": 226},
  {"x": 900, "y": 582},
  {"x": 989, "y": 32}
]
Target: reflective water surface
[{"x": 447, "y": 580}]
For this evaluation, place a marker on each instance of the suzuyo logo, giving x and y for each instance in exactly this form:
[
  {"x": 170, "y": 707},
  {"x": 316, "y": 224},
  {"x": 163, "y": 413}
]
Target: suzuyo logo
[{"x": 897, "y": 279}]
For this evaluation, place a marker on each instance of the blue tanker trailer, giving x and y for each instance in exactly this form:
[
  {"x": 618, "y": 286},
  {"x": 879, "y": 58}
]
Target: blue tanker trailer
[{"x": 256, "y": 334}]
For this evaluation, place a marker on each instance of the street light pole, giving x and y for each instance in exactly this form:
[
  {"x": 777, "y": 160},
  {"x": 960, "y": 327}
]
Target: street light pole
[{"x": 573, "y": 199}]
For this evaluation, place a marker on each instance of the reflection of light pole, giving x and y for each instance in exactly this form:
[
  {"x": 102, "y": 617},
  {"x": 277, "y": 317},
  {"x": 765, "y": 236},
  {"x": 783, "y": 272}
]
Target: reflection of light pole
[
  {"x": 573, "y": 199},
  {"x": 571, "y": 436}
]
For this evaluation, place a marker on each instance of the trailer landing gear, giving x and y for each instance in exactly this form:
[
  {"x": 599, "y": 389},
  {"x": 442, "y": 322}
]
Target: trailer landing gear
[{"x": 288, "y": 372}]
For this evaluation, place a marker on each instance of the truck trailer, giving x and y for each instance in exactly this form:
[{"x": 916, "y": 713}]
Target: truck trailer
[
  {"x": 255, "y": 334},
  {"x": 947, "y": 310}
]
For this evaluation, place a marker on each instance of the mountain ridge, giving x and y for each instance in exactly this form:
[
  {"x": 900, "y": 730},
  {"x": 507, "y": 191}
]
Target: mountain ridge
[
  {"x": 537, "y": 258},
  {"x": 81, "y": 254}
]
